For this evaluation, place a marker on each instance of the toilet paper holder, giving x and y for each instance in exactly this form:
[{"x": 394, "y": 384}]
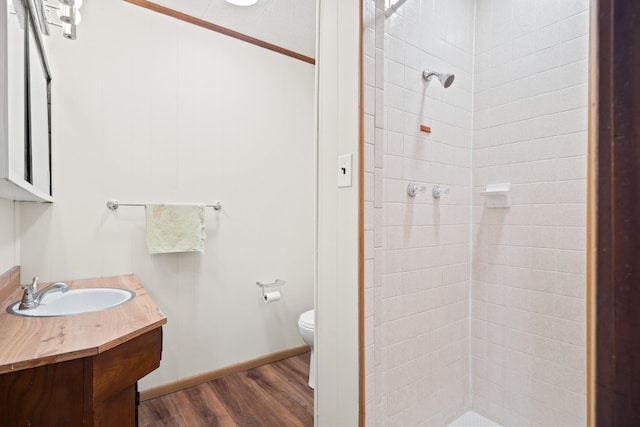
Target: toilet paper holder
[
  {"x": 277, "y": 283},
  {"x": 271, "y": 296}
]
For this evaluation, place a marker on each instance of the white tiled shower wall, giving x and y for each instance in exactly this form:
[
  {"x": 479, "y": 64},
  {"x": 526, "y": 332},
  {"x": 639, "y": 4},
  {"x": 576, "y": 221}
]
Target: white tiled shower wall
[
  {"x": 528, "y": 286},
  {"x": 526, "y": 79},
  {"x": 418, "y": 297}
]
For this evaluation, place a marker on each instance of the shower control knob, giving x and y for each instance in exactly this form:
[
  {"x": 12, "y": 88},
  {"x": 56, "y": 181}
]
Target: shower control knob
[
  {"x": 414, "y": 189},
  {"x": 438, "y": 191}
]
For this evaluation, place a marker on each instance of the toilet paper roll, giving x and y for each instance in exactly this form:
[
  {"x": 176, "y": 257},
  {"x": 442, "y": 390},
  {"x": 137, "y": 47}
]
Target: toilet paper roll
[{"x": 271, "y": 296}]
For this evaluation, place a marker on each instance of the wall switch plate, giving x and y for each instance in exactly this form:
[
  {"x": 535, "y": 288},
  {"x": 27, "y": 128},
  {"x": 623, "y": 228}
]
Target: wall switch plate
[{"x": 344, "y": 170}]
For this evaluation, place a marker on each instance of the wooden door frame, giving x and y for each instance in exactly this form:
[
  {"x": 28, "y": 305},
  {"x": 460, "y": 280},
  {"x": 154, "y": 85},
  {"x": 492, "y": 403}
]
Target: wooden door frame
[{"x": 617, "y": 219}]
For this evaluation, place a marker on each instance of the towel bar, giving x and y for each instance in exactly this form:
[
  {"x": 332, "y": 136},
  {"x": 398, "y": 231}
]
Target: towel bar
[{"x": 113, "y": 204}]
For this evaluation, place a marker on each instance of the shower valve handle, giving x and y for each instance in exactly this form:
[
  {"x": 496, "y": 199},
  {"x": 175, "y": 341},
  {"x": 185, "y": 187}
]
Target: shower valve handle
[
  {"x": 438, "y": 191},
  {"x": 413, "y": 189}
]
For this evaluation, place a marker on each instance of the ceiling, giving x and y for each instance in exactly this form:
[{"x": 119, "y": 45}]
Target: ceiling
[{"x": 290, "y": 24}]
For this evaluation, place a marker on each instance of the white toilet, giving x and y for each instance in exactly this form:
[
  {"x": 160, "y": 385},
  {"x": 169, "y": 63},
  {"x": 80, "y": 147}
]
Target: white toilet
[{"x": 307, "y": 330}]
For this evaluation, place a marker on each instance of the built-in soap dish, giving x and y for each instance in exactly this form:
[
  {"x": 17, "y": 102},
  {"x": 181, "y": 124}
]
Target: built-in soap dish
[{"x": 497, "y": 195}]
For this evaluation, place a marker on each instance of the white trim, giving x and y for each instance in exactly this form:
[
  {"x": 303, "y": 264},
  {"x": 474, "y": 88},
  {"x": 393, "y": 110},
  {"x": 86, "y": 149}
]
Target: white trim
[{"x": 337, "y": 282}]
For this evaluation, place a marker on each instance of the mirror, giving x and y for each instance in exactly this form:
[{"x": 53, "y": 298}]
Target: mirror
[
  {"x": 39, "y": 141},
  {"x": 25, "y": 107}
]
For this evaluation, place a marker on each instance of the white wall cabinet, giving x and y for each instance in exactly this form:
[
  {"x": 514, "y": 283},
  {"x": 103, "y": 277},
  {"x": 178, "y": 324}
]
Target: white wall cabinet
[{"x": 25, "y": 106}]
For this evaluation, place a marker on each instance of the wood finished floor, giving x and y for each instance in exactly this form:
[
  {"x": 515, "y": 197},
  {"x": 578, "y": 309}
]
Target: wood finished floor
[{"x": 272, "y": 395}]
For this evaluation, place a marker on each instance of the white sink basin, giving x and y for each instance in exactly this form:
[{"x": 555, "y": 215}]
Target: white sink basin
[{"x": 76, "y": 301}]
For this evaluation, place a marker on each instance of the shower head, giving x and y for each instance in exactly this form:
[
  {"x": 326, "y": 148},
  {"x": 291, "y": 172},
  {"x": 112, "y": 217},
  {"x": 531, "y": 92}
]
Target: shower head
[{"x": 445, "y": 79}]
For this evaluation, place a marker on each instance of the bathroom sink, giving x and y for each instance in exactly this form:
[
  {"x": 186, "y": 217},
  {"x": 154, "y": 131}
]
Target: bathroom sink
[{"x": 75, "y": 301}]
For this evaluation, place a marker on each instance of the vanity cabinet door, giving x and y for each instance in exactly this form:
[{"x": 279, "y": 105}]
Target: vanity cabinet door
[
  {"x": 49, "y": 395},
  {"x": 111, "y": 379}
]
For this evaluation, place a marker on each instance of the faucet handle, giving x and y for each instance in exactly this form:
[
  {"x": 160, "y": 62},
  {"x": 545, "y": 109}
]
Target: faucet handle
[
  {"x": 413, "y": 189},
  {"x": 438, "y": 191},
  {"x": 34, "y": 285}
]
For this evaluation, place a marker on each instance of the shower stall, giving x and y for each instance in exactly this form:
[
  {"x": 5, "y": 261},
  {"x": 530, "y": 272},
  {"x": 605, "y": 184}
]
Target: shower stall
[{"x": 475, "y": 299}]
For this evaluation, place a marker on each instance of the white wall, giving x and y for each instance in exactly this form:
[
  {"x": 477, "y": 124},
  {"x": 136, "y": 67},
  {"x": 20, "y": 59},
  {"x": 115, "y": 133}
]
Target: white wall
[
  {"x": 9, "y": 235},
  {"x": 147, "y": 108},
  {"x": 528, "y": 290}
]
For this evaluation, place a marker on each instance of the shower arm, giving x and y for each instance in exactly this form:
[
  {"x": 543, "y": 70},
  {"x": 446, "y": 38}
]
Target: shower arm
[
  {"x": 427, "y": 75},
  {"x": 392, "y": 9}
]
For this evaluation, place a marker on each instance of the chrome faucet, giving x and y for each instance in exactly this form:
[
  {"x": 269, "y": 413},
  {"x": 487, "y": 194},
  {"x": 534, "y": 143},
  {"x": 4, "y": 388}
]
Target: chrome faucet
[{"x": 31, "y": 298}]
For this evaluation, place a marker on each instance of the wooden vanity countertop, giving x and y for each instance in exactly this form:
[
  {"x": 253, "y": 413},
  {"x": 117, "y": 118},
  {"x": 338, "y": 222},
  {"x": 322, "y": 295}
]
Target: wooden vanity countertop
[{"x": 26, "y": 342}]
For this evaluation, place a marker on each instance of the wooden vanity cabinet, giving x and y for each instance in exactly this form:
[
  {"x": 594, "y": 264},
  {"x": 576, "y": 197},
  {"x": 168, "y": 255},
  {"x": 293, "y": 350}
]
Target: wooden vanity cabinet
[{"x": 97, "y": 390}]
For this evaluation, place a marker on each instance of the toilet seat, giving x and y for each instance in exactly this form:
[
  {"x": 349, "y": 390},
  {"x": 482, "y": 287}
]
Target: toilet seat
[{"x": 306, "y": 320}]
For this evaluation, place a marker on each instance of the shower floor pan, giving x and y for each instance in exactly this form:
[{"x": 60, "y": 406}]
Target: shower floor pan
[{"x": 471, "y": 419}]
